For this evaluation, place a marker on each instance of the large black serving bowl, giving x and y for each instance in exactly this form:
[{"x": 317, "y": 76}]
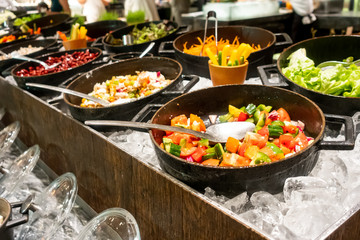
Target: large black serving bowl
[
  {"x": 170, "y": 68},
  {"x": 50, "y": 24},
  {"x": 253, "y": 35},
  {"x": 138, "y": 47},
  {"x": 100, "y": 28},
  {"x": 233, "y": 180},
  {"x": 53, "y": 78},
  {"x": 46, "y": 44},
  {"x": 320, "y": 50}
]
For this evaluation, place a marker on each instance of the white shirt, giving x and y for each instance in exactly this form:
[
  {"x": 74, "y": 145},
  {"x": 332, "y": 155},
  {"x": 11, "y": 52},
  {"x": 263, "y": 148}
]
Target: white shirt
[
  {"x": 93, "y": 9},
  {"x": 148, "y": 6},
  {"x": 302, "y": 7}
]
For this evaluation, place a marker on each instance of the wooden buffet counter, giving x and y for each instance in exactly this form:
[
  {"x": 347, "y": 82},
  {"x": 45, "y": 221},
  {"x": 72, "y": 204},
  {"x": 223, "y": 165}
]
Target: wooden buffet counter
[{"x": 164, "y": 207}]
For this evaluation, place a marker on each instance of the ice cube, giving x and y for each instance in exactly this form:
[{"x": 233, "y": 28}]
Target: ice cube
[
  {"x": 299, "y": 190},
  {"x": 210, "y": 193},
  {"x": 237, "y": 204},
  {"x": 331, "y": 169},
  {"x": 310, "y": 219}
]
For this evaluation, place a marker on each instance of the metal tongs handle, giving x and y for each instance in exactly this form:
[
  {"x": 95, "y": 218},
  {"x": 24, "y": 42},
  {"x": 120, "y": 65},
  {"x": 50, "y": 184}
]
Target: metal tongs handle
[{"x": 209, "y": 15}]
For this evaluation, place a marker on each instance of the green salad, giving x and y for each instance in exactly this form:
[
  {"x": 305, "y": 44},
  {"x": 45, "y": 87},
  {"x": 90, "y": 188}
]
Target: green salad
[
  {"x": 23, "y": 20},
  {"x": 338, "y": 80}
]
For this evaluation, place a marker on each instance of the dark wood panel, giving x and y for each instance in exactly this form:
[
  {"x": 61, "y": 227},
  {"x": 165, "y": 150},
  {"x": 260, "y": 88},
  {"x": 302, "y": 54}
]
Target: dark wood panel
[{"x": 109, "y": 177}]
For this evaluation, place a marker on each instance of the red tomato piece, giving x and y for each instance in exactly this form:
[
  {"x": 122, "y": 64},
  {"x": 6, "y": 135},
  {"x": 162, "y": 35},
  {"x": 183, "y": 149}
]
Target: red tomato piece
[
  {"x": 199, "y": 152},
  {"x": 264, "y": 131},
  {"x": 287, "y": 140},
  {"x": 242, "y": 149},
  {"x": 283, "y": 115},
  {"x": 301, "y": 140},
  {"x": 185, "y": 152},
  {"x": 256, "y": 139},
  {"x": 181, "y": 119},
  {"x": 242, "y": 117},
  {"x": 290, "y": 129}
]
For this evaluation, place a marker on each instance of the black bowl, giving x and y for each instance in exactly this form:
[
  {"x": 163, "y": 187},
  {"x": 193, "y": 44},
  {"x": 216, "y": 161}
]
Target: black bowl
[
  {"x": 137, "y": 47},
  {"x": 128, "y": 55},
  {"x": 170, "y": 68},
  {"x": 253, "y": 35},
  {"x": 233, "y": 180},
  {"x": 50, "y": 24},
  {"x": 320, "y": 50},
  {"x": 53, "y": 78}
]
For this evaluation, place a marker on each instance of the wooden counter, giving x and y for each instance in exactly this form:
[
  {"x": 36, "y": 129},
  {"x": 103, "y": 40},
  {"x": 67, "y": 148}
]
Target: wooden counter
[{"x": 164, "y": 207}]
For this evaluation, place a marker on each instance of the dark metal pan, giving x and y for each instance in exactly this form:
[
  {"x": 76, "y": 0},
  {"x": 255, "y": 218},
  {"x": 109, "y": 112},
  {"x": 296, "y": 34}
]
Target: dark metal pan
[
  {"x": 171, "y": 69},
  {"x": 17, "y": 34},
  {"x": 54, "y": 78},
  {"x": 268, "y": 177},
  {"x": 101, "y": 28},
  {"x": 50, "y": 24},
  {"x": 253, "y": 35},
  {"x": 138, "y": 47},
  {"x": 48, "y": 45},
  {"x": 319, "y": 50}
]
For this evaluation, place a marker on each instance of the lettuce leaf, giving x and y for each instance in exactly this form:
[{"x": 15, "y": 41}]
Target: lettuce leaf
[{"x": 338, "y": 80}]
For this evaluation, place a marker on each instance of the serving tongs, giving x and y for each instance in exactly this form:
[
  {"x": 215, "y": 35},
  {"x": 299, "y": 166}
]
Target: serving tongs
[{"x": 209, "y": 15}]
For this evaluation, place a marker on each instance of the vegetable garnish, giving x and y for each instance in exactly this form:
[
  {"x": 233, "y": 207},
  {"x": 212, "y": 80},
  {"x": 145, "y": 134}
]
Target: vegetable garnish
[
  {"x": 275, "y": 137},
  {"x": 211, "y": 44},
  {"x": 338, "y": 81}
]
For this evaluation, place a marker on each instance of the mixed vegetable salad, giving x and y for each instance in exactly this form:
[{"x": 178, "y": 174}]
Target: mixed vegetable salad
[
  {"x": 126, "y": 88},
  {"x": 338, "y": 81},
  {"x": 145, "y": 34},
  {"x": 275, "y": 137}
]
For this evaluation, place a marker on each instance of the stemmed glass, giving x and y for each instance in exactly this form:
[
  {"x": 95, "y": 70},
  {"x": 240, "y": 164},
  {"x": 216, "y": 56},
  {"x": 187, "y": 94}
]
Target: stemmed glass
[
  {"x": 111, "y": 224},
  {"x": 8, "y": 136},
  {"x": 18, "y": 169},
  {"x": 52, "y": 207}
]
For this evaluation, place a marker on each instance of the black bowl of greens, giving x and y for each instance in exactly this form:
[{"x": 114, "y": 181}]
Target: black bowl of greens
[
  {"x": 142, "y": 34},
  {"x": 336, "y": 88}
]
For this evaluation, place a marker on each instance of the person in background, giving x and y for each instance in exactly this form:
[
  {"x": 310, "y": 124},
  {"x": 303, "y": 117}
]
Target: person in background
[
  {"x": 93, "y": 9},
  {"x": 179, "y": 7},
  {"x": 58, "y": 6},
  {"x": 43, "y": 7},
  {"x": 303, "y": 19},
  {"x": 148, "y": 6}
]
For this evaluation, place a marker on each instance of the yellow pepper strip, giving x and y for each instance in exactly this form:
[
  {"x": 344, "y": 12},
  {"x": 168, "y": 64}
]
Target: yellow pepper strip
[
  {"x": 212, "y": 56},
  {"x": 241, "y": 50},
  {"x": 233, "y": 56},
  {"x": 247, "y": 52},
  {"x": 225, "y": 54}
]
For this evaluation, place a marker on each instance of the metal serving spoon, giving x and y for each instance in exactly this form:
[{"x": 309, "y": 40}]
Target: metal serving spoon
[
  {"x": 334, "y": 63},
  {"x": 151, "y": 45},
  {"x": 217, "y": 133},
  {"x": 68, "y": 91},
  {"x": 16, "y": 55}
]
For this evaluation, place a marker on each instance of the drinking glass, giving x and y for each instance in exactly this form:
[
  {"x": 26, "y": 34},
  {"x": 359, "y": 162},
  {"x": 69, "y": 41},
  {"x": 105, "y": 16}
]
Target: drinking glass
[
  {"x": 111, "y": 224},
  {"x": 18, "y": 169},
  {"x": 52, "y": 207},
  {"x": 8, "y": 136}
]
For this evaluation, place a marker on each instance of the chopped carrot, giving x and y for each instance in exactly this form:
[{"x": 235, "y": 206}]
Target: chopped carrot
[
  {"x": 232, "y": 145},
  {"x": 211, "y": 162}
]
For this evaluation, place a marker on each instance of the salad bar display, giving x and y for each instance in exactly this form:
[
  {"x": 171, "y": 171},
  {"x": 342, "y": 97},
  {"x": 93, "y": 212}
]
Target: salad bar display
[{"x": 286, "y": 138}]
